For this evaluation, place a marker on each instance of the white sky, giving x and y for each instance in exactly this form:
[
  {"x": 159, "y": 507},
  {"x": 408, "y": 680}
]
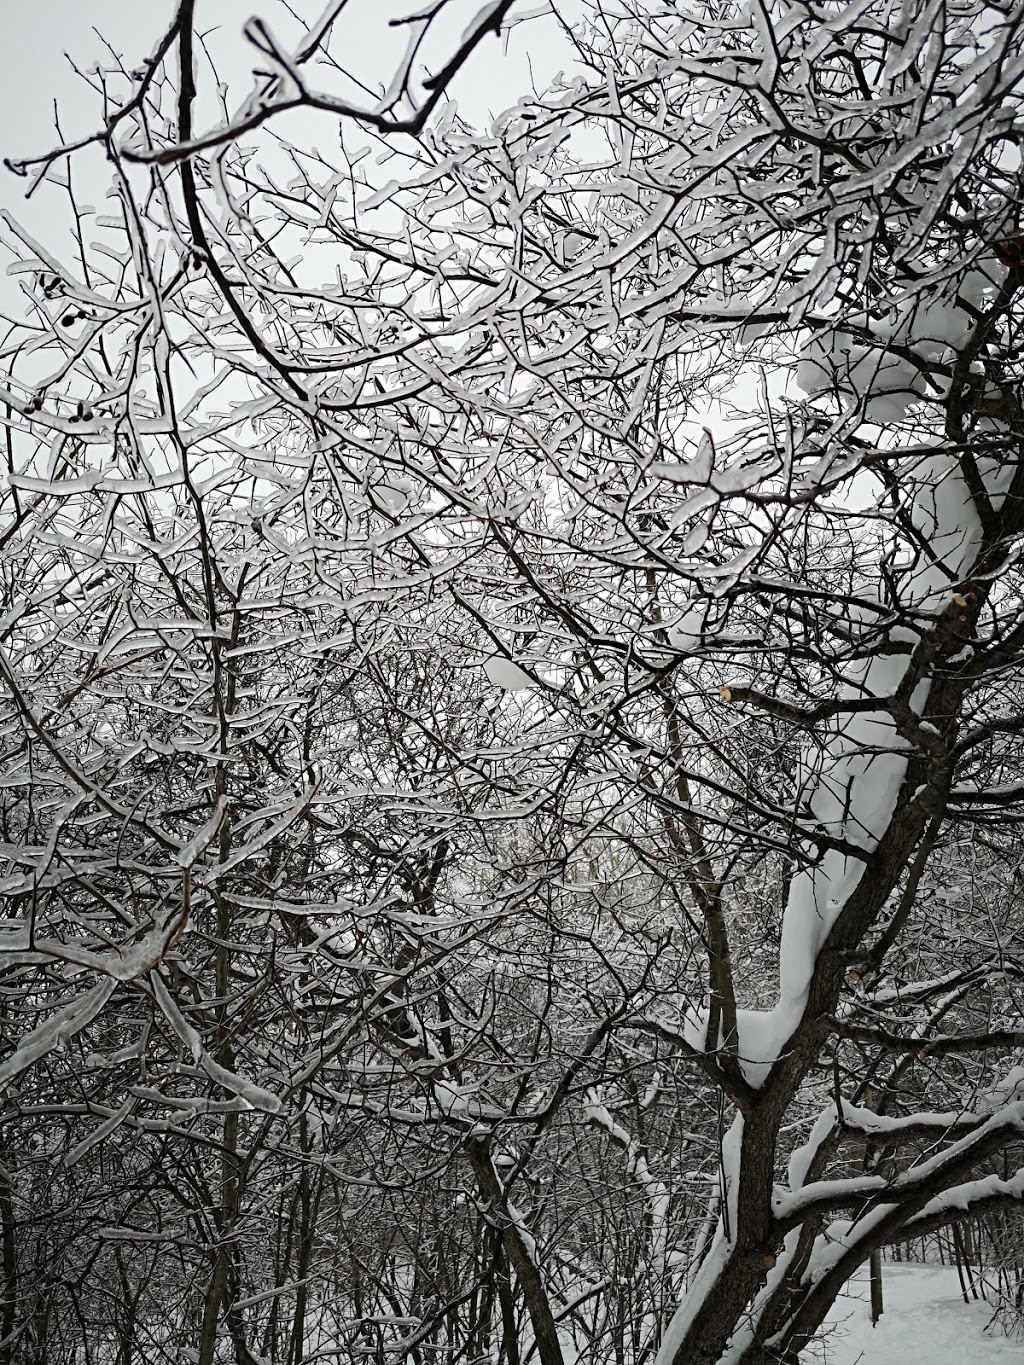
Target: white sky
[
  {"x": 42, "y": 38},
  {"x": 41, "y": 35}
]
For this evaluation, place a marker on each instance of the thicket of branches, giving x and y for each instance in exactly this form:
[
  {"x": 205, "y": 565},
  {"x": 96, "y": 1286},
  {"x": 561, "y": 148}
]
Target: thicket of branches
[{"x": 492, "y": 870}]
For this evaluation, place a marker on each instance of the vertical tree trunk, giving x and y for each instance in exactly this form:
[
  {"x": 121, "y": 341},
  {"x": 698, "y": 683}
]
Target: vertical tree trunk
[
  {"x": 309, "y": 1200},
  {"x": 518, "y": 1254},
  {"x": 509, "y": 1337},
  {"x": 8, "y": 1235},
  {"x": 875, "y": 1281}
]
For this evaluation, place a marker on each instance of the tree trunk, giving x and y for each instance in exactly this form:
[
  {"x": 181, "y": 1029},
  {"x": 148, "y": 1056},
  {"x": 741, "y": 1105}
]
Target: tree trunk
[
  {"x": 8, "y": 1235},
  {"x": 545, "y": 1333},
  {"x": 875, "y": 1281}
]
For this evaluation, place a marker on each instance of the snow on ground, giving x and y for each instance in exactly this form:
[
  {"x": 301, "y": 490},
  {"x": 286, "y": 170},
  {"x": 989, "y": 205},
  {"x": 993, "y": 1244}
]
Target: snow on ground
[{"x": 925, "y": 1322}]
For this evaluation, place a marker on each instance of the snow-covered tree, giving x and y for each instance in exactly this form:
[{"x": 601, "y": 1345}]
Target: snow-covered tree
[{"x": 512, "y": 677}]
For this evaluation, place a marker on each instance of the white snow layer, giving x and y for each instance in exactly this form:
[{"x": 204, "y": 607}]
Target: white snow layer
[
  {"x": 924, "y": 1319},
  {"x": 855, "y": 793},
  {"x": 506, "y": 674}
]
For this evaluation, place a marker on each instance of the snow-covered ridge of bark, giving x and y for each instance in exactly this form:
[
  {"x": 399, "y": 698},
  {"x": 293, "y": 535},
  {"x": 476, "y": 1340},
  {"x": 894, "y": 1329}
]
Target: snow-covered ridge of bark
[{"x": 855, "y": 793}]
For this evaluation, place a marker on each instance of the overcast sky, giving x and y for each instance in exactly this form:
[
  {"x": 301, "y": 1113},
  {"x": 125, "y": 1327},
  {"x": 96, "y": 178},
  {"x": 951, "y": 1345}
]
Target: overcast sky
[
  {"x": 40, "y": 36},
  {"x": 36, "y": 71},
  {"x": 44, "y": 40}
]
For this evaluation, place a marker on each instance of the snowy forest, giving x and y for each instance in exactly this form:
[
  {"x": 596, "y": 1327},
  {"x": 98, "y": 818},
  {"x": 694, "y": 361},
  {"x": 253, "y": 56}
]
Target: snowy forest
[{"x": 512, "y": 686}]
